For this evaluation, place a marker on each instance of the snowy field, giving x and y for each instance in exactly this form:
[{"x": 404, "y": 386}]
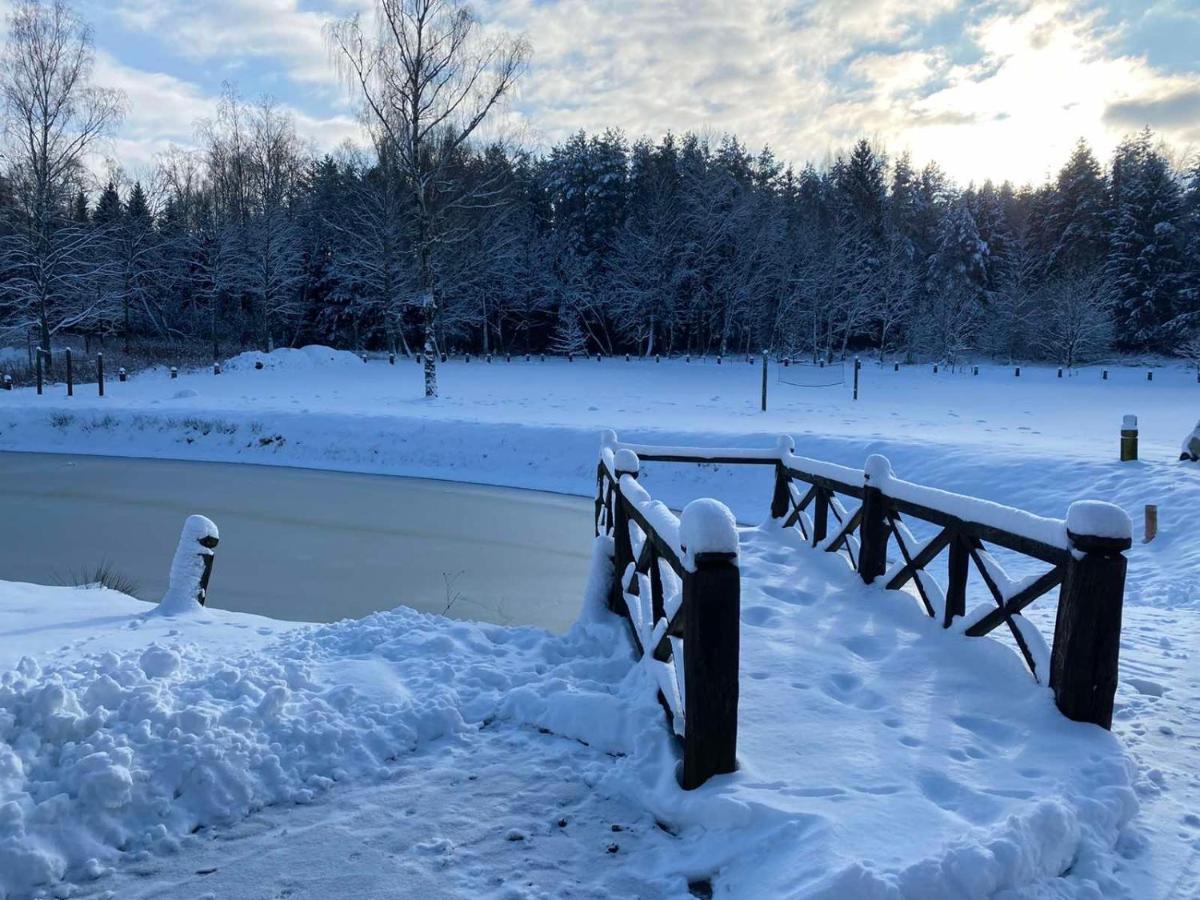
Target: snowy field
[{"x": 881, "y": 757}]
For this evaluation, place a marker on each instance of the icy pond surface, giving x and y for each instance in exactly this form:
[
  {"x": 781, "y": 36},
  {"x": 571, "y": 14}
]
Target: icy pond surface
[{"x": 301, "y": 544}]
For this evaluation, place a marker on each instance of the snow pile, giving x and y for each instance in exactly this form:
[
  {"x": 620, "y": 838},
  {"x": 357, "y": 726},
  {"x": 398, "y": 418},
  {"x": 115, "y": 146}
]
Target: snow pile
[
  {"x": 288, "y": 359},
  {"x": 132, "y": 751}
]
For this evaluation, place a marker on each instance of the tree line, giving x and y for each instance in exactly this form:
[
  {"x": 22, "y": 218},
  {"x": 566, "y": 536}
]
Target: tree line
[{"x": 426, "y": 238}]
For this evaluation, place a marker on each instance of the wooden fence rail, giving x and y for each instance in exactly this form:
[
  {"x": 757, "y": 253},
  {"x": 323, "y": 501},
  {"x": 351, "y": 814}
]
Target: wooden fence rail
[{"x": 864, "y": 515}]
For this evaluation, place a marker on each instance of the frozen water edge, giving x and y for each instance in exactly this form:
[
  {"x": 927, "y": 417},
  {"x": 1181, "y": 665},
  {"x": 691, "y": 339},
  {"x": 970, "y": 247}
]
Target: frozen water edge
[{"x": 880, "y": 755}]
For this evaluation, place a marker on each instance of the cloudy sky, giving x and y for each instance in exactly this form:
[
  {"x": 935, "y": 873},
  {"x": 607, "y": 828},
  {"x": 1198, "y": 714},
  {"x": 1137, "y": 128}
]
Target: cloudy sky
[{"x": 999, "y": 89}]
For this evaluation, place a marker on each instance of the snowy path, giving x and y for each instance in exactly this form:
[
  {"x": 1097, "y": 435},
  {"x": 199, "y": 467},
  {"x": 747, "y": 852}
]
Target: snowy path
[{"x": 502, "y": 812}]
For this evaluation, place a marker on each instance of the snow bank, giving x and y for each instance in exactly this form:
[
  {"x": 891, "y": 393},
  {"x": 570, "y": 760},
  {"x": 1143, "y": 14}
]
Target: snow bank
[{"x": 289, "y": 359}]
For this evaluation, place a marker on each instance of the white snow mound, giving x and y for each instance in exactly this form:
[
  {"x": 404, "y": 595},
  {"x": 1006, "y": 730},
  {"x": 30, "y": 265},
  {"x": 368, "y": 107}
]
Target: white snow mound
[{"x": 314, "y": 356}]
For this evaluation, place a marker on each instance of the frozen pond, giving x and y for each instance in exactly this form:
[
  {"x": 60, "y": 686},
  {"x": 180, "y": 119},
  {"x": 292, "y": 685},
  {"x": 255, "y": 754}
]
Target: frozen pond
[{"x": 301, "y": 544}]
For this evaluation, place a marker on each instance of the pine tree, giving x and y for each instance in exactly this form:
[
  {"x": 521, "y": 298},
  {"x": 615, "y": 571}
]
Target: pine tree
[
  {"x": 1076, "y": 217},
  {"x": 1146, "y": 262}
]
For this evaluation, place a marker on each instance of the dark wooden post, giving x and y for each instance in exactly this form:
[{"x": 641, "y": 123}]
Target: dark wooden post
[
  {"x": 1017, "y": 372},
  {"x": 174, "y": 372},
  {"x": 70, "y": 374},
  {"x": 191, "y": 567},
  {"x": 820, "y": 516},
  {"x": 1104, "y": 375},
  {"x": 712, "y": 644},
  {"x": 956, "y": 581},
  {"x": 873, "y": 530},
  {"x": 1129, "y": 439},
  {"x": 764, "y": 381},
  {"x": 625, "y": 463},
  {"x": 857, "y": 369},
  {"x": 39, "y": 353},
  {"x": 781, "y": 500},
  {"x": 122, "y": 374},
  {"x": 8, "y": 384},
  {"x": 216, "y": 368},
  {"x": 1149, "y": 376},
  {"x": 1087, "y": 632},
  {"x": 100, "y": 373},
  {"x": 392, "y": 358}
]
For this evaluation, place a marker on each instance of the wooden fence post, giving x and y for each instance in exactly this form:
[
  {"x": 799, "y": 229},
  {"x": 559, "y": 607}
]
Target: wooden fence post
[
  {"x": 39, "y": 353},
  {"x": 958, "y": 566},
  {"x": 100, "y": 373},
  {"x": 1129, "y": 439},
  {"x": 191, "y": 567},
  {"x": 764, "y": 381},
  {"x": 70, "y": 374},
  {"x": 781, "y": 499},
  {"x": 625, "y": 462},
  {"x": 1087, "y": 632},
  {"x": 711, "y": 640},
  {"x": 873, "y": 529}
]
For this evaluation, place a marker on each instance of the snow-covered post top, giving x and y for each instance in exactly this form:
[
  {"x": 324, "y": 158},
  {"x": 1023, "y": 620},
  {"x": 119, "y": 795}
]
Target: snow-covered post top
[
  {"x": 1129, "y": 438},
  {"x": 1191, "y": 446},
  {"x": 781, "y": 496},
  {"x": 707, "y": 528},
  {"x": 1093, "y": 525},
  {"x": 191, "y": 567},
  {"x": 626, "y": 462},
  {"x": 877, "y": 471}
]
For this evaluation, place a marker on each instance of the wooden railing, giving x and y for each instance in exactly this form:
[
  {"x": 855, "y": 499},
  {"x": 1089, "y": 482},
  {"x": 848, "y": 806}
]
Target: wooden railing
[
  {"x": 676, "y": 581},
  {"x": 864, "y": 515}
]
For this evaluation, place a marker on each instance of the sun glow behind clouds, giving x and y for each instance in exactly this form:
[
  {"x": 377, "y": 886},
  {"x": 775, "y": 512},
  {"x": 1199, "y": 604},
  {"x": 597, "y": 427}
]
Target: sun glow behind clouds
[{"x": 1000, "y": 89}]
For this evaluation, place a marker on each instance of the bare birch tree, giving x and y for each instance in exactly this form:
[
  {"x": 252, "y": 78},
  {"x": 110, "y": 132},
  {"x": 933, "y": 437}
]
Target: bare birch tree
[
  {"x": 53, "y": 117},
  {"x": 428, "y": 79}
]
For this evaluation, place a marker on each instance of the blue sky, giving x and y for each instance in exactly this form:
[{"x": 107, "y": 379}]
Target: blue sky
[{"x": 1000, "y": 88}]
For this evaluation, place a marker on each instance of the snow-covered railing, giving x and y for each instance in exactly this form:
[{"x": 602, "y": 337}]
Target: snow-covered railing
[
  {"x": 862, "y": 514},
  {"x": 677, "y": 583}
]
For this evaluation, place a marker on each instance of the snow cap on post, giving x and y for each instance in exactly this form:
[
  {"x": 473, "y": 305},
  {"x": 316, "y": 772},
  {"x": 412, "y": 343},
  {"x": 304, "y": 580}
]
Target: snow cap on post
[
  {"x": 785, "y": 446},
  {"x": 877, "y": 470},
  {"x": 608, "y": 438},
  {"x": 190, "y": 567},
  {"x": 627, "y": 462},
  {"x": 1129, "y": 422},
  {"x": 1094, "y": 524},
  {"x": 707, "y": 526}
]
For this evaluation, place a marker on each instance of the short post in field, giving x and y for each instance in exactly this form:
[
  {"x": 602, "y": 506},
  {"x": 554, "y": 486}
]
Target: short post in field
[
  {"x": 1017, "y": 372},
  {"x": 70, "y": 373},
  {"x": 873, "y": 529},
  {"x": 216, "y": 368},
  {"x": 625, "y": 462},
  {"x": 975, "y": 370},
  {"x": 191, "y": 567},
  {"x": 363, "y": 356},
  {"x": 1104, "y": 374},
  {"x": 1150, "y": 376},
  {"x": 1150, "y": 523},
  {"x": 1129, "y": 439},
  {"x": 122, "y": 375},
  {"x": 711, "y": 640},
  {"x": 935, "y": 368},
  {"x": 764, "y": 381},
  {"x": 857, "y": 369},
  {"x": 895, "y": 367},
  {"x": 1087, "y": 633},
  {"x": 38, "y": 356},
  {"x": 1060, "y": 371},
  {"x": 100, "y": 373},
  {"x": 392, "y": 358},
  {"x": 657, "y": 358},
  {"x": 174, "y": 372},
  {"x": 8, "y": 384}
]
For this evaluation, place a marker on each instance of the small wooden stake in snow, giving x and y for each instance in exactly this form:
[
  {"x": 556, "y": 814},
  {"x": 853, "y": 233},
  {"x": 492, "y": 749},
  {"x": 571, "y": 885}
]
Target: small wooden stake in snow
[
  {"x": 1129, "y": 439},
  {"x": 191, "y": 568},
  {"x": 392, "y": 358},
  {"x": 174, "y": 372},
  {"x": 8, "y": 382},
  {"x": 711, "y": 640},
  {"x": 1087, "y": 632},
  {"x": 100, "y": 373},
  {"x": 70, "y": 374},
  {"x": 857, "y": 369},
  {"x": 764, "y": 381},
  {"x": 975, "y": 370},
  {"x": 1017, "y": 372},
  {"x": 39, "y": 370},
  {"x": 122, "y": 375},
  {"x": 1149, "y": 376},
  {"x": 1151, "y": 523},
  {"x": 216, "y": 368}
]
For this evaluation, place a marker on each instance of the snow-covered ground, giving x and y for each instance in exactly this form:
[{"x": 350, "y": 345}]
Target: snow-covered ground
[{"x": 879, "y": 754}]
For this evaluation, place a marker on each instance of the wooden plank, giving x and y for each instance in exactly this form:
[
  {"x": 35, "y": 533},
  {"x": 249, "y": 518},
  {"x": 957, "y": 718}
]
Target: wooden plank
[
  {"x": 1005, "y": 539},
  {"x": 1018, "y": 602},
  {"x": 891, "y": 520}
]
